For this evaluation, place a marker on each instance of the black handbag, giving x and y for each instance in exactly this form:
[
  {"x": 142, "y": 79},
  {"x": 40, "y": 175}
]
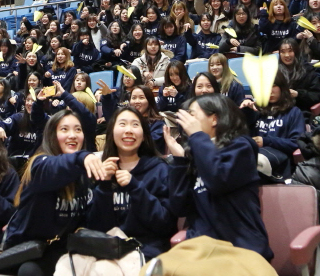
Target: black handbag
[
  {"x": 100, "y": 245},
  {"x": 26, "y": 251}
]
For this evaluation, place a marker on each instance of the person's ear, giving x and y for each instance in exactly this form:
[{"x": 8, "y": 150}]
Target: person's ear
[{"x": 214, "y": 120}]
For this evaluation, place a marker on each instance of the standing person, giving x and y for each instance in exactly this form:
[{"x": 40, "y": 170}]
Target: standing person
[
  {"x": 62, "y": 70},
  {"x": 153, "y": 63},
  {"x": 277, "y": 25},
  {"x": 46, "y": 196},
  {"x": 207, "y": 183},
  {"x": 176, "y": 87},
  {"x": 137, "y": 175}
]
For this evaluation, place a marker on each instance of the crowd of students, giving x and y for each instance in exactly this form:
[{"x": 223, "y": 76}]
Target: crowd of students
[{"x": 132, "y": 186}]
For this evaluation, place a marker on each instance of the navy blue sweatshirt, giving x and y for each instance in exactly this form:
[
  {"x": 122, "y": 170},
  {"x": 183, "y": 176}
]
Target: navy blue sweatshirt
[
  {"x": 177, "y": 45},
  {"x": 151, "y": 28},
  {"x": 8, "y": 188},
  {"x": 7, "y": 109},
  {"x": 110, "y": 103},
  {"x": 236, "y": 92},
  {"x": 140, "y": 209},
  {"x": 64, "y": 77},
  {"x": 21, "y": 143},
  {"x": 84, "y": 56},
  {"x": 172, "y": 103},
  {"x": 275, "y": 31},
  {"x": 8, "y": 67},
  {"x": 222, "y": 201},
  {"x": 43, "y": 213},
  {"x": 281, "y": 132},
  {"x": 107, "y": 51},
  {"x": 88, "y": 120},
  {"x": 131, "y": 51},
  {"x": 47, "y": 61},
  {"x": 198, "y": 43}
]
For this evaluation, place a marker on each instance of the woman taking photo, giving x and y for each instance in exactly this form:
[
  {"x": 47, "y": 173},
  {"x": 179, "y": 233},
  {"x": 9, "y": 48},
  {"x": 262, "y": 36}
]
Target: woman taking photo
[
  {"x": 47, "y": 187},
  {"x": 136, "y": 174},
  {"x": 176, "y": 87},
  {"x": 207, "y": 183}
]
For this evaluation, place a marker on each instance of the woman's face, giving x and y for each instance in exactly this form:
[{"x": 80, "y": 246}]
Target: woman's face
[
  {"x": 74, "y": 27},
  {"x": 207, "y": 123},
  {"x": 1, "y": 88},
  {"x": 139, "y": 101},
  {"x": 137, "y": 33},
  {"x": 152, "y": 48},
  {"x": 241, "y": 17},
  {"x": 28, "y": 44},
  {"x": 45, "y": 19},
  {"x": 4, "y": 49},
  {"x": 128, "y": 82},
  {"x": 316, "y": 22},
  {"x": 61, "y": 57},
  {"x": 216, "y": 4},
  {"x": 69, "y": 134},
  {"x": 287, "y": 54},
  {"x": 33, "y": 81},
  {"x": 216, "y": 68},
  {"x": 33, "y": 33},
  {"x": 151, "y": 15},
  {"x": 23, "y": 27},
  {"x": 203, "y": 86},
  {"x": 92, "y": 23},
  {"x": 314, "y": 4},
  {"x": 115, "y": 29},
  {"x": 31, "y": 59},
  {"x": 205, "y": 23},
  {"x": 178, "y": 10},
  {"x": 174, "y": 76},
  {"x": 28, "y": 103},
  {"x": 55, "y": 44},
  {"x": 127, "y": 133},
  {"x": 124, "y": 15},
  {"x": 169, "y": 29},
  {"x": 80, "y": 83},
  {"x": 85, "y": 12},
  {"x": 85, "y": 36},
  {"x": 69, "y": 17},
  {"x": 53, "y": 27},
  {"x": 275, "y": 94},
  {"x": 116, "y": 10},
  {"x": 278, "y": 9},
  {"x": 134, "y": 3}
]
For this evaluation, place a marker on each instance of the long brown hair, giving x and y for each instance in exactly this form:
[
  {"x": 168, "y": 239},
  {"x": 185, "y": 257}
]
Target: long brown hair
[
  {"x": 50, "y": 146},
  {"x": 287, "y": 16},
  {"x": 68, "y": 63}
]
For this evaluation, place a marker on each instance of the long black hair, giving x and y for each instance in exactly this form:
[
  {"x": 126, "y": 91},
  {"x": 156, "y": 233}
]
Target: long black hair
[
  {"x": 184, "y": 77},
  {"x": 50, "y": 55},
  {"x": 147, "y": 147},
  {"x": 124, "y": 95},
  {"x": 6, "y": 91},
  {"x": 298, "y": 70},
  {"x": 210, "y": 77},
  {"x": 247, "y": 27},
  {"x": 11, "y": 49},
  {"x": 130, "y": 37},
  {"x": 115, "y": 39},
  {"x": 152, "y": 63}
]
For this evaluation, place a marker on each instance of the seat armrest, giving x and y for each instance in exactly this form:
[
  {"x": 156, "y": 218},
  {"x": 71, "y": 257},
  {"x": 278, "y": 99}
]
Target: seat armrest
[
  {"x": 303, "y": 246},
  {"x": 178, "y": 237},
  {"x": 315, "y": 109}
]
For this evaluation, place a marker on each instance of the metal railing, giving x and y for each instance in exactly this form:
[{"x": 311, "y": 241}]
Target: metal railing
[{"x": 36, "y": 6}]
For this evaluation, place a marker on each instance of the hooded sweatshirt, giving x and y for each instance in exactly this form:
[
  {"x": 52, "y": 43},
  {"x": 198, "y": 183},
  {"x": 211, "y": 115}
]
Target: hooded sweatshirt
[{"x": 140, "y": 209}]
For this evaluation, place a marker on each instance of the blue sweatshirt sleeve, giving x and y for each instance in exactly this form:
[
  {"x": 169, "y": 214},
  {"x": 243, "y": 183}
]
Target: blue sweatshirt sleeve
[
  {"x": 104, "y": 48},
  {"x": 38, "y": 116},
  {"x": 11, "y": 124},
  {"x": 295, "y": 126},
  {"x": 265, "y": 26},
  {"x": 109, "y": 104},
  {"x": 69, "y": 79},
  {"x": 8, "y": 188},
  {"x": 8, "y": 67},
  {"x": 51, "y": 173},
  {"x": 191, "y": 38},
  {"x": 222, "y": 169},
  {"x": 156, "y": 129},
  {"x": 181, "y": 51},
  {"x": 152, "y": 209}
]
